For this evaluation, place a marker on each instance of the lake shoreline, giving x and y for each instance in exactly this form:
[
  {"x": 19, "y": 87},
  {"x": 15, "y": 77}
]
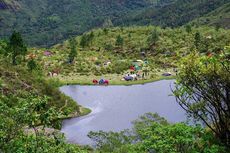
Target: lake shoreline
[{"x": 117, "y": 82}]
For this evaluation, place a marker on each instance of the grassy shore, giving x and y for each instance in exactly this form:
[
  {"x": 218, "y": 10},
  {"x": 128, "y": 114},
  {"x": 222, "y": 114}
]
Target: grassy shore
[
  {"x": 87, "y": 80},
  {"x": 83, "y": 111}
]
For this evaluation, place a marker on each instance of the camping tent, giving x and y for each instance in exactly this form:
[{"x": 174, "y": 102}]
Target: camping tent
[{"x": 138, "y": 64}]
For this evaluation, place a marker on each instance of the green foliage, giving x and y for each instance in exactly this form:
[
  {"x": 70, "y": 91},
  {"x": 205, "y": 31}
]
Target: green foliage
[
  {"x": 152, "y": 133},
  {"x": 202, "y": 89},
  {"x": 86, "y": 39},
  {"x": 110, "y": 141},
  {"x": 153, "y": 38},
  {"x": 120, "y": 66},
  {"x": 17, "y": 80},
  {"x": 16, "y": 121},
  {"x": 3, "y": 46},
  {"x": 16, "y": 46},
  {"x": 188, "y": 28},
  {"x": 197, "y": 40},
  {"x": 53, "y": 21},
  {"x": 31, "y": 65},
  {"x": 174, "y": 13},
  {"x": 217, "y": 18},
  {"x": 119, "y": 41},
  {"x": 30, "y": 107},
  {"x": 73, "y": 49},
  {"x": 105, "y": 30},
  {"x": 27, "y": 144},
  {"x": 108, "y": 47}
]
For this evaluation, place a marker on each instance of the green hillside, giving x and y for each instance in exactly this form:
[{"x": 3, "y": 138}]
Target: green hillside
[
  {"x": 46, "y": 22},
  {"x": 176, "y": 14},
  {"x": 17, "y": 82},
  {"x": 92, "y": 58},
  {"x": 29, "y": 102},
  {"x": 219, "y": 17}
]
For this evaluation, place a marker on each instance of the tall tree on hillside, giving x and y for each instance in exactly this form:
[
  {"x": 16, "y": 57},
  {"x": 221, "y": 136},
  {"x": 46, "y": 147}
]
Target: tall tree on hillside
[
  {"x": 119, "y": 41},
  {"x": 90, "y": 37},
  {"x": 31, "y": 65},
  {"x": 188, "y": 28},
  {"x": 16, "y": 46},
  {"x": 83, "y": 41},
  {"x": 203, "y": 91},
  {"x": 87, "y": 39},
  {"x": 73, "y": 49},
  {"x": 197, "y": 40},
  {"x": 153, "y": 38}
]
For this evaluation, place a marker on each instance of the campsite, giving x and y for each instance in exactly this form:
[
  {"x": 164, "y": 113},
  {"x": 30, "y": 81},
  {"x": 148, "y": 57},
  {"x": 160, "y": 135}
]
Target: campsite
[{"x": 135, "y": 57}]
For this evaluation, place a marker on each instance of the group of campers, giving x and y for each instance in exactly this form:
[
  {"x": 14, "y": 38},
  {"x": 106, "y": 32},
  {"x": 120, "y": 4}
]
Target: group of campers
[{"x": 138, "y": 70}]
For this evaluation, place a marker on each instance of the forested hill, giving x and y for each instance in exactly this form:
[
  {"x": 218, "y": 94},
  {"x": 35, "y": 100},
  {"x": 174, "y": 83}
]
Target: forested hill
[
  {"x": 178, "y": 13},
  {"x": 219, "y": 17},
  {"x": 47, "y": 22}
]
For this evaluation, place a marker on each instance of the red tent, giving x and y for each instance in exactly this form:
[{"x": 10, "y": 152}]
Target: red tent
[{"x": 132, "y": 68}]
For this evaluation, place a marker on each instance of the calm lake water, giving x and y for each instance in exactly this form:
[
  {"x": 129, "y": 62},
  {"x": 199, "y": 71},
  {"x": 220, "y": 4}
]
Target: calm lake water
[{"x": 115, "y": 107}]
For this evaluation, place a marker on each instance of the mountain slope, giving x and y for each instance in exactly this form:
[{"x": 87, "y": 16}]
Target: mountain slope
[
  {"x": 177, "y": 13},
  {"x": 47, "y": 22},
  {"x": 219, "y": 17}
]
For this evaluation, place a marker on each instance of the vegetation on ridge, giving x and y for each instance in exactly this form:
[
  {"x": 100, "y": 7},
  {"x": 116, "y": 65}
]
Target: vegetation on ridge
[{"x": 47, "y": 22}]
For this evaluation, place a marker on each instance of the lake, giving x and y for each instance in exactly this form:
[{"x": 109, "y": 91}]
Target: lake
[{"x": 115, "y": 107}]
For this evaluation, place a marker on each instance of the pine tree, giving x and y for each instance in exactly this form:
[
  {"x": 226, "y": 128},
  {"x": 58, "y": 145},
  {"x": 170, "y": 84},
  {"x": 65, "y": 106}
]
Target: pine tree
[
  {"x": 73, "y": 49},
  {"x": 31, "y": 65},
  {"x": 197, "y": 40},
  {"x": 153, "y": 38},
  {"x": 16, "y": 46},
  {"x": 119, "y": 41},
  {"x": 83, "y": 41},
  {"x": 188, "y": 28}
]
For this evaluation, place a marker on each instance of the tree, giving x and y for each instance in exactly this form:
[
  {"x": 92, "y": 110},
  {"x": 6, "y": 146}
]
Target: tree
[
  {"x": 197, "y": 40},
  {"x": 119, "y": 41},
  {"x": 105, "y": 31},
  {"x": 152, "y": 133},
  {"x": 3, "y": 46},
  {"x": 31, "y": 65},
  {"x": 16, "y": 46},
  {"x": 90, "y": 37},
  {"x": 188, "y": 28},
  {"x": 20, "y": 131},
  {"x": 83, "y": 41},
  {"x": 73, "y": 49},
  {"x": 87, "y": 39},
  {"x": 153, "y": 38},
  {"x": 203, "y": 91}
]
